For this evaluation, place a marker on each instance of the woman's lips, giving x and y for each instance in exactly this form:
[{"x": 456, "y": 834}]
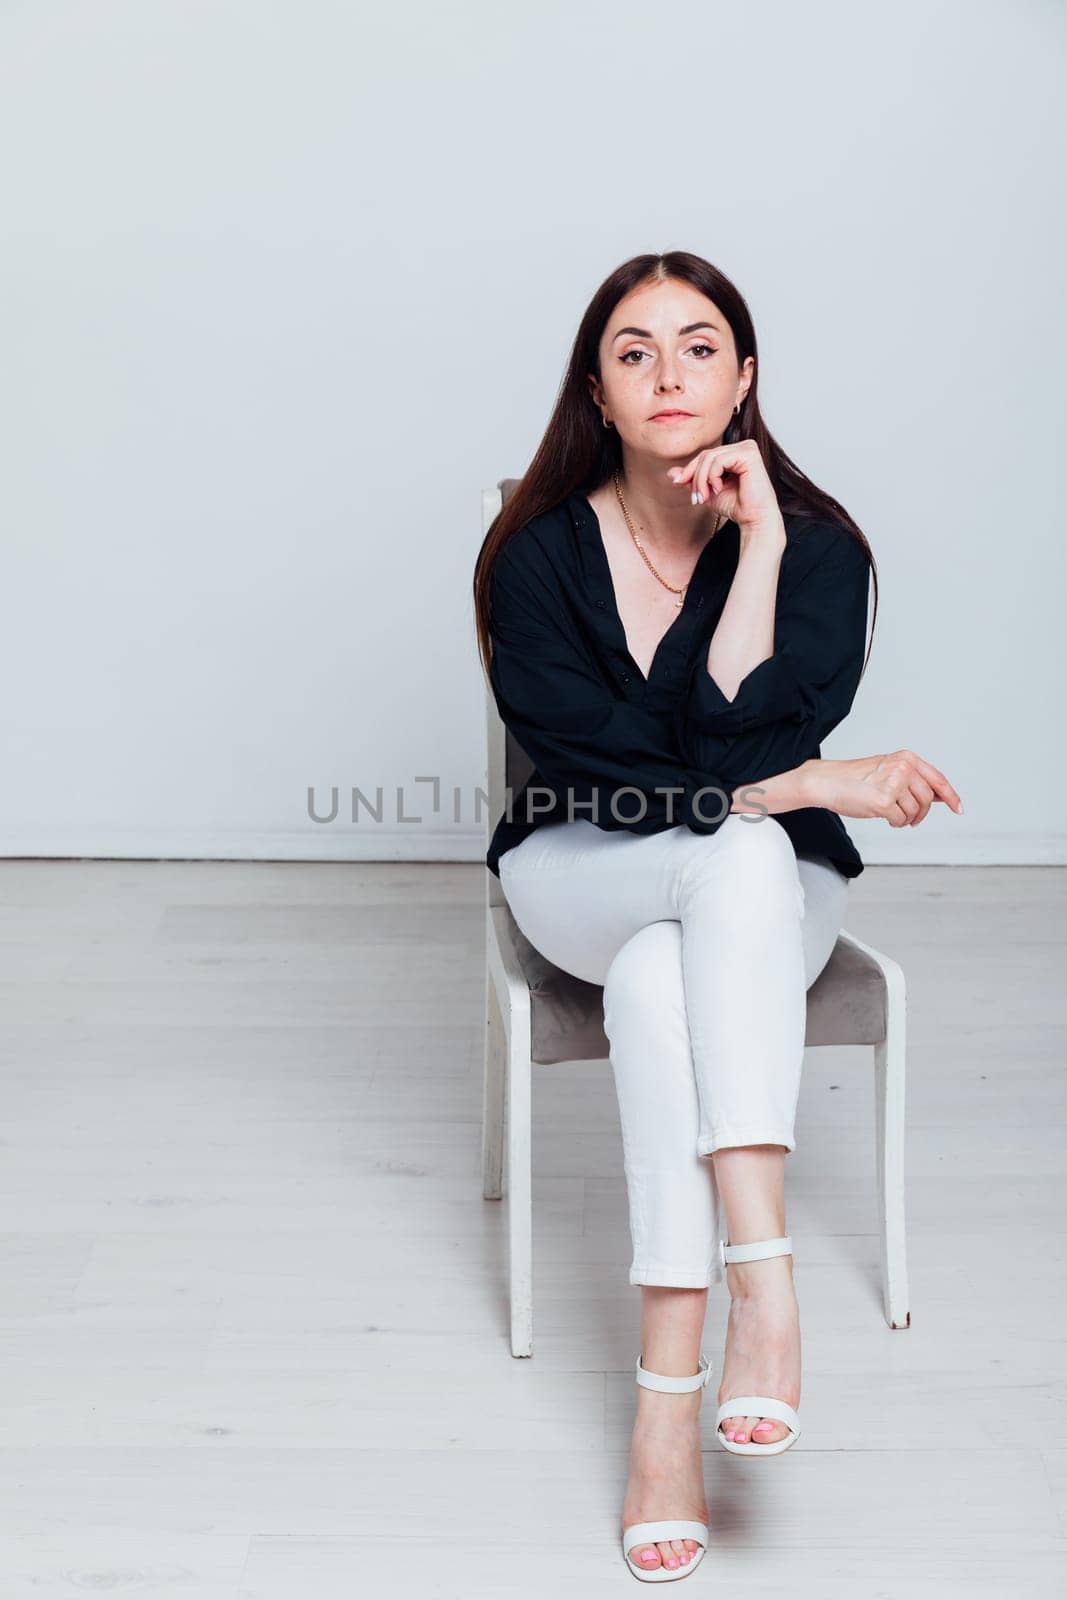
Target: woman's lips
[{"x": 672, "y": 416}]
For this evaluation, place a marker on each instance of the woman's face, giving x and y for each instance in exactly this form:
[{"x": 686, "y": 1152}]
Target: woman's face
[{"x": 668, "y": 347}]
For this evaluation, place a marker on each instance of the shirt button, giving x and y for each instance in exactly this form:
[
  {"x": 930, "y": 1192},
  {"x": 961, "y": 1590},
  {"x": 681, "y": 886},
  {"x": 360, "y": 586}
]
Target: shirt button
[
  {"x": 626, "y": 677},
  {"x": 600, "y": 603}
]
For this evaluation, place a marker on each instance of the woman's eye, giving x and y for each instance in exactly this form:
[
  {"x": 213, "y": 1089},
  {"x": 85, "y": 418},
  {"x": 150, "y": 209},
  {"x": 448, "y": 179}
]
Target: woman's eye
[{"x": 625, "y": 359}]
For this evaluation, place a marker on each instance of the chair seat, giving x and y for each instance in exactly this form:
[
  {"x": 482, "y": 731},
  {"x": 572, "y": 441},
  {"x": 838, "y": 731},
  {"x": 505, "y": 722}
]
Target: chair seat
[{"x": 846, "y": 1004}]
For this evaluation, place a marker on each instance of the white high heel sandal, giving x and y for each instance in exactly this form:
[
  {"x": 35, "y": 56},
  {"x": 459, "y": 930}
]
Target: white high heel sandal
[
  {"x": 757, "y": 1405},
  {"x": 672, "y": 1527}
]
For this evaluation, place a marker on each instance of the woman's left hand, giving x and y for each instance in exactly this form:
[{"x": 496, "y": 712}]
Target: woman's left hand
[{"x": 734, "y": 478}]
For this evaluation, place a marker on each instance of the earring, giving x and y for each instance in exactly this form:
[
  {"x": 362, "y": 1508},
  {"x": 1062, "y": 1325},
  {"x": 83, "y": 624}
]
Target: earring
[{"x": 606, "y": 421}]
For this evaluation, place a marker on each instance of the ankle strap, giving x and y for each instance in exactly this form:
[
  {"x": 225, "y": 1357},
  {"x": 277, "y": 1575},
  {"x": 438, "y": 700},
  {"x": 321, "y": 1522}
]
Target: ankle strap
[
  {"x": 755, "y": 1252},
  {"x": 657, "y": 1380}
]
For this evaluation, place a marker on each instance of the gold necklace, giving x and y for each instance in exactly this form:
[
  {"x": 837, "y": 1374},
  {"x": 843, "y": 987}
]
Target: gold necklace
[{"x": 719, "y": 520}]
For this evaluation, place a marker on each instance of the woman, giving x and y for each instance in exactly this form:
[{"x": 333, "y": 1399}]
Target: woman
[{"x": 673, "y": 618}]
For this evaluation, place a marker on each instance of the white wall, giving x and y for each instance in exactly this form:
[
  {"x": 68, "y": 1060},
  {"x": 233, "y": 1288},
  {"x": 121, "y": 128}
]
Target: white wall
[{"x": 284, "y": 285}]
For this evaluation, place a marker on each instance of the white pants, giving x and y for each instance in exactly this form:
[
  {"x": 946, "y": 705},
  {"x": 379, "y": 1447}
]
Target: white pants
[{"x": 705, "y": 945}]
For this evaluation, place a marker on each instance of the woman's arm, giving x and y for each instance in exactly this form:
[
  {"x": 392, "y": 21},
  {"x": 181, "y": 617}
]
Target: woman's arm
[
  {"x": 590, "y": 747},
  {"x": 786, "y": 791},
  {"x": 744, "y": 634},
  {"x": 787, "y": 704}
]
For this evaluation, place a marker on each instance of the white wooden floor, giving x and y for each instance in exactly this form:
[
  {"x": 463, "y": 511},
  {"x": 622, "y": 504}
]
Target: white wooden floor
[{"x": 252, "y": 1330}]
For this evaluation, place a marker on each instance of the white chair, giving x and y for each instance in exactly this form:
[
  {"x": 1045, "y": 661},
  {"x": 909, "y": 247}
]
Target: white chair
[{"x": 536, "y": 1013}]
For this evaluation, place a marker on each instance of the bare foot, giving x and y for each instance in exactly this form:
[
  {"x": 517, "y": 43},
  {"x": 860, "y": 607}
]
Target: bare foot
[
  {"x": 762, "y": 1354},
  {"x": 666, "y": 1476}
]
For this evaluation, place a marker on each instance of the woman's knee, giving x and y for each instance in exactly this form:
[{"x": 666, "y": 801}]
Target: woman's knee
[
  {"x": 763, "y": 838},
  {"x": 645, "y": 975},
  {"x": 647, "y": 1025},
  {"x": 754, "y": 855}
]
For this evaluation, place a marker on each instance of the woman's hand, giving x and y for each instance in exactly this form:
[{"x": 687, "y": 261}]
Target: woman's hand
[
  {"x": 735, "y": 480},
  {"x": 900, "y": 787}
]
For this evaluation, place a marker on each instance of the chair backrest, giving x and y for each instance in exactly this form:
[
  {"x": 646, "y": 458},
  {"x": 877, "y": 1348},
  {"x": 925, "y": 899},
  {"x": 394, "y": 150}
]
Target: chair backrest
[{"x": 507, "y": 766}]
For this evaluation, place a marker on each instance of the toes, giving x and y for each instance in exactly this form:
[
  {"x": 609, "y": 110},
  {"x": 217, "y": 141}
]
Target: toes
[
  {"x": 761, "y": 1430},
  {"x": 768, "y": 1431},
  {"x": 673, "y": 1552}
]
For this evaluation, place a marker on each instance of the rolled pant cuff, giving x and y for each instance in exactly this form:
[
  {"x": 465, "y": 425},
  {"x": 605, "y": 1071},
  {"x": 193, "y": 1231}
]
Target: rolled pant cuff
[
  {"x": 726, "y": 1138},
  {"x": 677, "y": 1277}
]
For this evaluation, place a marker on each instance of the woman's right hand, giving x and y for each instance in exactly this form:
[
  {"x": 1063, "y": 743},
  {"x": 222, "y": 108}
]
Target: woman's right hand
[{"x": 900, "y": 787}]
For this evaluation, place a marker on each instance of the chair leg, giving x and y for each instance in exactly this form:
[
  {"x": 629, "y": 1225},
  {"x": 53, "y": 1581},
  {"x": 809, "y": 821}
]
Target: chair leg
[
  {"x": 493, "y": 1090},
  {"x": 519, "y": 1189},
  {"x": 889, "y": 1135}
]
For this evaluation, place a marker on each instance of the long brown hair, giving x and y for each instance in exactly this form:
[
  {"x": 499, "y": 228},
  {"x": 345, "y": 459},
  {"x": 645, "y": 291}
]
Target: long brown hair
[{"x": 578, "y": 454}]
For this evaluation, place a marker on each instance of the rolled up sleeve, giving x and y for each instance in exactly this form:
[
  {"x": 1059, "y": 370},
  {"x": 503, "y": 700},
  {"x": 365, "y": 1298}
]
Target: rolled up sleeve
[
  {"x": 787, "y": 705},
  {"x": 604, "y": 759},
  {"x": 771, "y": 691}
]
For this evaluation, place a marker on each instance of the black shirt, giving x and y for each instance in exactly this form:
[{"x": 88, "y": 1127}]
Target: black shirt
[{"x": 593, "y": 725}]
